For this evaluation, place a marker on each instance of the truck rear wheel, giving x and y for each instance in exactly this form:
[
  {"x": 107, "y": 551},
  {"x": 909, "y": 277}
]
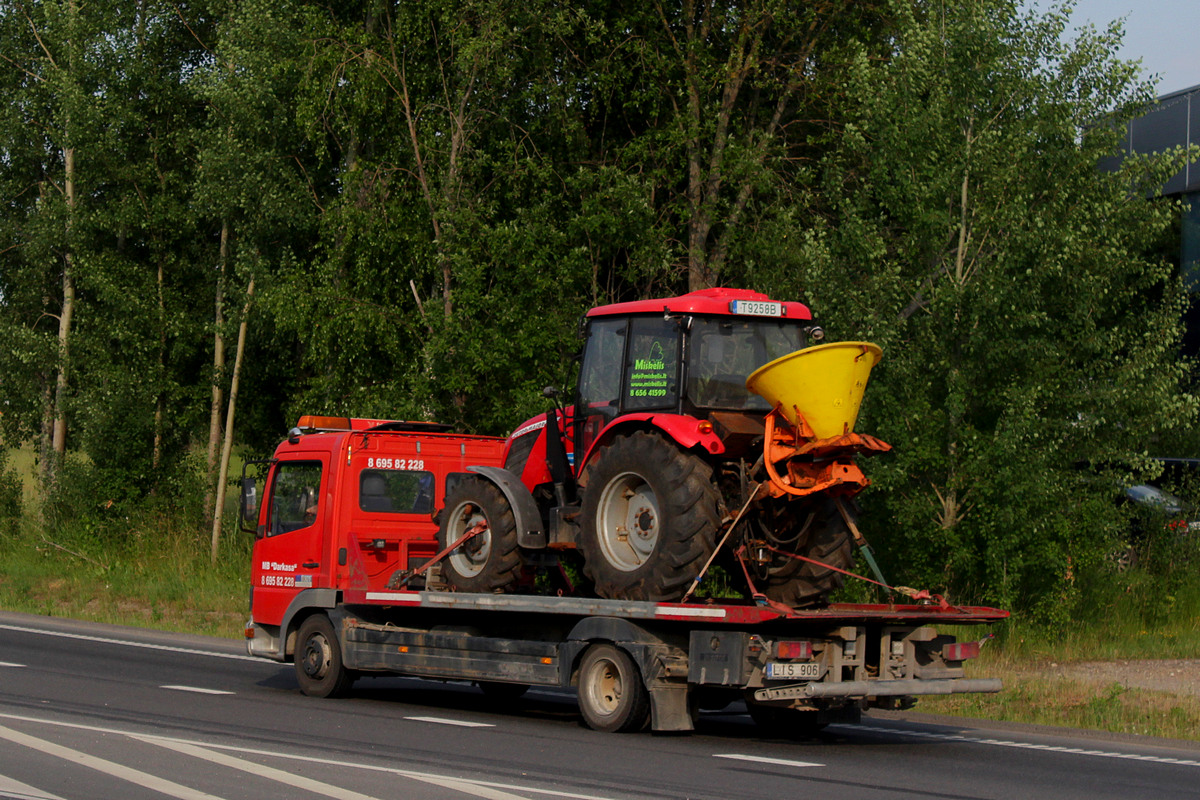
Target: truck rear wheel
[
  {"x": 797, "y": 583},
  {"x": 612, "y": 697},
  {"x": 318, "y": 657},
  {"x": 490, "y": 561},
  {"x": 649, "y": 518}
]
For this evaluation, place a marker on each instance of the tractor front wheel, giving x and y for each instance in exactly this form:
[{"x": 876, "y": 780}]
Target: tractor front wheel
[
  {"x": 650, "y": 518},
  {"x": 490, "y": 561}
]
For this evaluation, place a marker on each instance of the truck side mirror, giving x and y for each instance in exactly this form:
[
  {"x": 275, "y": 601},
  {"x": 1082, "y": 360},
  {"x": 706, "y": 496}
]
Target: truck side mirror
[{"x": 249, "y": 505}]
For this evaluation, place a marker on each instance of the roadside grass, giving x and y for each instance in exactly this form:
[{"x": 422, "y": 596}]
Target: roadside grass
[
  {"x": 151, "y": 580},
  {"x": 1123, "y": 616},
  {"x": 104, "y": 560},
  {"x": 1037, "y": 696}
]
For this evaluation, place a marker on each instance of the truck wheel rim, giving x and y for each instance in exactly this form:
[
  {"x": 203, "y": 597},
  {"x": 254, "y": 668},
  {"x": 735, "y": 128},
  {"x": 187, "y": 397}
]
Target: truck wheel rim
[
  {"x": 470, "y": 558},
  {"x": 605, "y": 688},
  {"x": 317, "y": 656},
  {"x": 628, "y": 521}
]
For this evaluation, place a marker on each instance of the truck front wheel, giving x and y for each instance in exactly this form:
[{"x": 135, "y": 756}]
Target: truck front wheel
[
  {"x": 649, "y": 518},
  {"x": 319, "y": 668},
  {"x": 612, "y": 697},
  {"x": 490, "y": 561}
]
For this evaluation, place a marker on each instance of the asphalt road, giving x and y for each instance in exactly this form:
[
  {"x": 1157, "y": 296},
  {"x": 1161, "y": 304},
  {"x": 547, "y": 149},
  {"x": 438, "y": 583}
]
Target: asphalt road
[{"x": 92, "y": 711}]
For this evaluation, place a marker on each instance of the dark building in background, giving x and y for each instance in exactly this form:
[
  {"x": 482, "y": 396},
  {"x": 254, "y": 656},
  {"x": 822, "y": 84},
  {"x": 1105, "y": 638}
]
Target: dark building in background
[{"x": 1174, "y": 121}]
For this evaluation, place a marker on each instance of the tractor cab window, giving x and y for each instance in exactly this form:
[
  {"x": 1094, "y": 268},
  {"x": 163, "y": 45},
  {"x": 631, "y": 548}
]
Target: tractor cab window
[
  {"x": 723, "y": 351},
  {"x": 599, "y": 378},
  {"x": 295, "y": 496},
  {"x": 651, "y": 364}
]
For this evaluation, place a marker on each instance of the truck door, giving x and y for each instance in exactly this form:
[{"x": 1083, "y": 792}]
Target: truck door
[{"x": 293, "y": 552}]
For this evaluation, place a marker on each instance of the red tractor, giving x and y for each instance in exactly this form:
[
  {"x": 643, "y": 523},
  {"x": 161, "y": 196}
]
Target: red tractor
[{"x": 703, "y": 425}]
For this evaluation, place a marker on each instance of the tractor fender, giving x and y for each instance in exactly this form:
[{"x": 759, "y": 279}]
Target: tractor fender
[
  {"x": 531, "y": 534},
  {"x": 683, "y": 429}
]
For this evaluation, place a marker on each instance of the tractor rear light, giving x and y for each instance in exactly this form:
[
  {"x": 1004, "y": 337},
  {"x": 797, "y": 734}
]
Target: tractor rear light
[
  {"x": 786, "y": 650},
  {"x": 704, "y": 427},
  {"x": 960, "y": 651}
]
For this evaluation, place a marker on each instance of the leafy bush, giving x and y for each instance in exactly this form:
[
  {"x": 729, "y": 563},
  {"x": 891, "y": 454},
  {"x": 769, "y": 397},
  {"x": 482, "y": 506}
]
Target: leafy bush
[{"x": 10, "y": 498}]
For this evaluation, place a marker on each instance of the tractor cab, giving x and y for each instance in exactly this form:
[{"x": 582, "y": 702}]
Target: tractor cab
[{"x": 688, "y": 355}]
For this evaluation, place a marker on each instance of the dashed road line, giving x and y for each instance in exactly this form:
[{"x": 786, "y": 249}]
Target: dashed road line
[
  {"x": 120, "y": 771},
  {"x": 953, "y": 737},
  {"x": 459, "y": 722},
  {"x": 195, "y": 689},
  {"x": 10, "y": 664},
  {"x": 782, "y": 762}
]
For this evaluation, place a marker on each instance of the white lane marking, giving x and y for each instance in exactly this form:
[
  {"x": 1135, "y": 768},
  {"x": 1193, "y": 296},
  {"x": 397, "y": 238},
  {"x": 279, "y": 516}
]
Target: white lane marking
[
  {"x": 127, "y": 643},
  {"x": 128, "y": 774},
  {"x": 270, "y": 773},
  {"x": 404, "y": 773},
  {"x": 324, "y": 760},
  {"x": 783, "y": 762},
  {"x": 14, "y": 789},
  {"x": 949, "y": 737},
  {"x": 317, "y": 787},
  {"x": 10, "y": 664},
  {"x": 196, "y": 689},
  {"x": 460, "y": 723}
]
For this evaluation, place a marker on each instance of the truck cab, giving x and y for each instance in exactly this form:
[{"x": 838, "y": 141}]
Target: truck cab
[{"x": 350, "y": 504}]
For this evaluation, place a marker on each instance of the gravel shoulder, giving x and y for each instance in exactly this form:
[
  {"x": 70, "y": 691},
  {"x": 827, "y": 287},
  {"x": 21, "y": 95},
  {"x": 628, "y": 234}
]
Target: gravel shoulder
[{"x": 1178, "y": 676}]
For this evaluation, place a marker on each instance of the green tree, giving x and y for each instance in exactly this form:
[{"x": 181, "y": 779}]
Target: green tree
[
  {"x": 48, "y": 78},
  {"x": 1030, "y": 336}
]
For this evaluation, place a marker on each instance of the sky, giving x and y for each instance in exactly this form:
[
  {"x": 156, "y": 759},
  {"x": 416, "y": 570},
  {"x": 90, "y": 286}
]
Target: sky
[{"x": 1164, "y": 34}]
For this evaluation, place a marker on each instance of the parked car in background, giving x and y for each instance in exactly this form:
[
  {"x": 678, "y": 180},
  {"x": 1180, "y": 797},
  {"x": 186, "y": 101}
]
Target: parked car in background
[{"x": 1154, "y": 511}]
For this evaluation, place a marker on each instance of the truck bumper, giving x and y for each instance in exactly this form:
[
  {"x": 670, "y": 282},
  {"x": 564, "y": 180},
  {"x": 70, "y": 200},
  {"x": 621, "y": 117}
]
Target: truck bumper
[
  {"x": 898, "y": 688},
  {"x": 263, "y": 641}
]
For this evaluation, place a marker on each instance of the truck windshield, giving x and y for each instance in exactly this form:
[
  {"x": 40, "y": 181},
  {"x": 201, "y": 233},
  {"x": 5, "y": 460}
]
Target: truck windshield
[{"x": 722, "y": 353}]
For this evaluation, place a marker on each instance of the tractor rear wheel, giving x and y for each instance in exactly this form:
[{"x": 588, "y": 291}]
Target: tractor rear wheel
[
  {"x": 650, "y": 518},
  {"x": 797, "y": 583},
  {"x": 490, "y": 561}
]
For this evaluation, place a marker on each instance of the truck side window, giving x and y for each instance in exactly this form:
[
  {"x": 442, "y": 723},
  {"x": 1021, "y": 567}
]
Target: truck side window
[
  {"x": 295, "y": 496},
  {"x": 394, "y": 491}
]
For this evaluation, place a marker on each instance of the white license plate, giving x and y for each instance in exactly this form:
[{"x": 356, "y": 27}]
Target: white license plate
[
  {"x": 805, "y": 670},
  {"x": 756, "y": 308}
]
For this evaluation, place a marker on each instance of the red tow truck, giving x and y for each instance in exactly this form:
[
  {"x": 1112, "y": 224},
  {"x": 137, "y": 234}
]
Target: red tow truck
[{"x": 352, "y": 534}]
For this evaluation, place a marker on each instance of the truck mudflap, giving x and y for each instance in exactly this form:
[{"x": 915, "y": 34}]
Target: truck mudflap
[{"x": 880, "y": 688}]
